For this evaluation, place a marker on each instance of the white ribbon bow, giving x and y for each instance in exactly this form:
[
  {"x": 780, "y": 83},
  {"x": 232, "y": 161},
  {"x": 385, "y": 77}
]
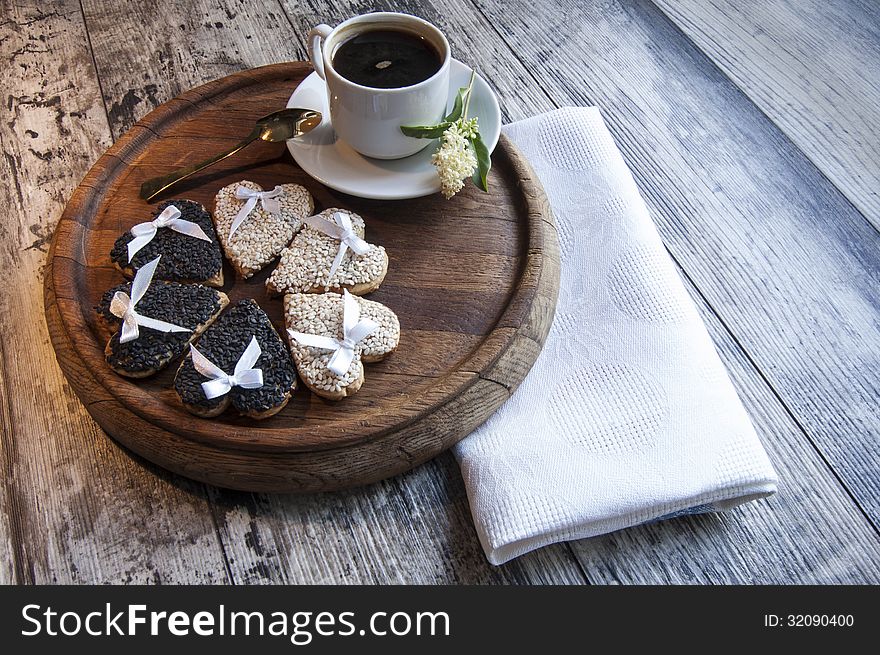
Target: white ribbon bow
[
  {"x": 340, "y": 228},
  {"x": 123, "y": 306},
  {"x": 243, "y": 375},
  {"x": 267, "y": 198},
  {"x": 354, "y": 329},
  {"x": 143, "y": 233}
]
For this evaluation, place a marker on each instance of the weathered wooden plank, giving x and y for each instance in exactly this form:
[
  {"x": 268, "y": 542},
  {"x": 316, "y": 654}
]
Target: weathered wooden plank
[
  {"x": 76, "y": 508},
  {"x": 12, "y": 556},
  {"x": 413, "y": 529},
  {"x": 788, "y": 264},
  {"x": 809, "y": 533},
  {"x": 193, "y": 43},
  {"x": 811, "y": 66}
]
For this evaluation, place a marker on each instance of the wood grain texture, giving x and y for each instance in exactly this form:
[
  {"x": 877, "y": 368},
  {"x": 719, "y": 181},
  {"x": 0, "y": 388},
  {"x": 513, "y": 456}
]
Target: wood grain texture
[
  {"x": 398, "y": 419},
  {"x": 74, "y": 507},
  {"x": 412, "y": 529},
  {"x": 12, "y": 557},
  {"x": 786, "y": 262},
  {"x": 187, "y": 44},
  {"x": 813, "y": 67}
]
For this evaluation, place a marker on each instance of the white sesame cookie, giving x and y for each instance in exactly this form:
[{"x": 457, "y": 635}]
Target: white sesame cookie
[
  {"x": 321, "y": 314},
  {"x": 305, "y": 264},
  {"x": 262, "y": 235}
]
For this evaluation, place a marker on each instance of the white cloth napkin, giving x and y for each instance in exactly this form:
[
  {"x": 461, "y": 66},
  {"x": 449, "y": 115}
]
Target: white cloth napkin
[{"x": 628, "y": 416}]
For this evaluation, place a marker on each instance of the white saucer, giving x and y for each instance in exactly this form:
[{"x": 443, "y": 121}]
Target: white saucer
[{"x": 332, "y": 162}]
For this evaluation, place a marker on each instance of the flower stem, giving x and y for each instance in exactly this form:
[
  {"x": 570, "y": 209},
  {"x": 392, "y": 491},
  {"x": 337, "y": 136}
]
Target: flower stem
[{"x": 467, "y": 100}]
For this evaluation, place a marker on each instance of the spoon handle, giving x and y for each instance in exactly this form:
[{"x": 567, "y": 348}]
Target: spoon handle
[{"x": 153, "y": 187}]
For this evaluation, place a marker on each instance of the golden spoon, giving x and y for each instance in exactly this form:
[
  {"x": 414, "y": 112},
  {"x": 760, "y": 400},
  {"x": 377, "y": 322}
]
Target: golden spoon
[{"x": 280, "y": 126}]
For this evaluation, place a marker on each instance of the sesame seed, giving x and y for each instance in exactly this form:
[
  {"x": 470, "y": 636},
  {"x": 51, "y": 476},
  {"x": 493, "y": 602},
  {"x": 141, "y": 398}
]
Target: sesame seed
[
  {"x": 263, "y": 235},
  {"x": 321, "y": 314}
]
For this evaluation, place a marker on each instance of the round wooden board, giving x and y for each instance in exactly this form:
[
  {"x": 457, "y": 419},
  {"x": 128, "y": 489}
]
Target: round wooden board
[{"x": 473, "y": 280}]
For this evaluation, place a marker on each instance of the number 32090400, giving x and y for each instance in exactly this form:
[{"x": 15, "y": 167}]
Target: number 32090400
[{"x": 809, "y": 620}]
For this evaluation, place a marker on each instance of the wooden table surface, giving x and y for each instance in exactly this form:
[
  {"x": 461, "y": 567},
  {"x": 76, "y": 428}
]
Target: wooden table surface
[{"x": 753, "y": 131}]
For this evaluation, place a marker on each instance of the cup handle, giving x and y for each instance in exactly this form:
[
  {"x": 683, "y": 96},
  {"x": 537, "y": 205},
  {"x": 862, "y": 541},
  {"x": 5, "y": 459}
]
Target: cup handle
[{"x": 316, "y": 36}]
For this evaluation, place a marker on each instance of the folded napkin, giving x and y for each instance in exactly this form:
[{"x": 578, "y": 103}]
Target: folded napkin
[{"x": 628, "y": 416}]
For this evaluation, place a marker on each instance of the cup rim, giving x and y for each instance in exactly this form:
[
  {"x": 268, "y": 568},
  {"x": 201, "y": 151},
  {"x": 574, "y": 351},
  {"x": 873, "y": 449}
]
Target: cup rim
[{"x": 328, "y": 60}]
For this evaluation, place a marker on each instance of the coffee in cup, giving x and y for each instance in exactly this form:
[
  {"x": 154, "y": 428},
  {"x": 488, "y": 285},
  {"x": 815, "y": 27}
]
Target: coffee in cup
[
  {"x": 386, "y": 59},
  {"x": 382, "y": 70}
]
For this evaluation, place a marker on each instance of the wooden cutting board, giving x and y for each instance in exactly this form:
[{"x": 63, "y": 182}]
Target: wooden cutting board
[{"x": 473, "y": 279}]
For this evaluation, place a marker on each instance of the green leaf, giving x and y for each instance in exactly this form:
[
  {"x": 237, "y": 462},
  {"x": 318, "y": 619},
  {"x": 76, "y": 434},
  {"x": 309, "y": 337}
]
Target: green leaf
[
  {"x": 425, "y": 131},
  {"x": 458, "y": 107},
  {"x": 484, "y": 162}
]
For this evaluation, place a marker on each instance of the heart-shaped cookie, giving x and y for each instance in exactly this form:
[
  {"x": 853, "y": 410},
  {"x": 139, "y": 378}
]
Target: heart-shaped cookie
[
  {"x": 182, "y": 232},
  {"x": 264, "y": 222},
  {"x": 240, "y": 361},
  {"x": 329, "y": 254},
  {"x": 154, "y": 320},
  {"x": 331, "y": 335}
]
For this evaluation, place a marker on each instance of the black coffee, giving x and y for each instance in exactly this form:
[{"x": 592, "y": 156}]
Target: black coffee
[{"x": 386, "y": 59}]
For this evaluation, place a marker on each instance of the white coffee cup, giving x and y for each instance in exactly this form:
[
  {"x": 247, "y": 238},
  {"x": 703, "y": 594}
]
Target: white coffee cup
[{"x": 368, "y": 118}]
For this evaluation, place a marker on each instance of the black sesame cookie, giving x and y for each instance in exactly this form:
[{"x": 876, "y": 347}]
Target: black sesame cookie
[
  {"x": 184, "y": 258},
  {"x": 306, "y": 265},
  {"x": 260, "y": 238},
  {"x": 223, "y": 344},
  {"x": 190, "y": 306},
  {"x": 311, "y": 315}
]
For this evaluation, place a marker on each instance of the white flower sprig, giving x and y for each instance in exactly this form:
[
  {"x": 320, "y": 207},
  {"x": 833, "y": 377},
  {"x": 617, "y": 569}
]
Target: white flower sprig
[
  {"x": 454, "y": 159},
  {"x": 461, "y": 153}
]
